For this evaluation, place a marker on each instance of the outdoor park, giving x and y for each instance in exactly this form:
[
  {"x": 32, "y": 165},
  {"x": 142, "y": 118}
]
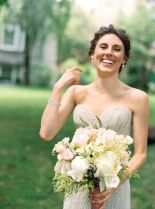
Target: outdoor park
[{"x": 26, "y": 162}]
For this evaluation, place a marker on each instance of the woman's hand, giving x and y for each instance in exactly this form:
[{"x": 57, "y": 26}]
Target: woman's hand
[
  {"x": 71, "y": 76},
  {"x": 99, "y": 199}
]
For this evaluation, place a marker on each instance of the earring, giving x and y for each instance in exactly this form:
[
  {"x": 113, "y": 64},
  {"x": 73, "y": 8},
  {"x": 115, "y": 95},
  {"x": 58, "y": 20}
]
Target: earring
[
  {"x": 92, "y": 60},
  {"x": 123, "y": 65}
]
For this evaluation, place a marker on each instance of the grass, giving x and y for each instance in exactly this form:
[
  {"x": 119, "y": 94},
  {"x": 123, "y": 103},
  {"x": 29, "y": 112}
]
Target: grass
[{"x": 26, "y": 163}]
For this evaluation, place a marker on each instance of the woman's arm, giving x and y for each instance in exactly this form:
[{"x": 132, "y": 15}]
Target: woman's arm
[
  {"x": 54, "y": 116},
  {"x": 140, "y": 132}
]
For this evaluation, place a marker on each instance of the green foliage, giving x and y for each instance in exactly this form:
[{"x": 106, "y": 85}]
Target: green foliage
[
  {"x": 65, "y": 184},
  {"x": 2, "y": 2},
  {"x": 76, "y": 40},
  {"x": 39, "y": 18},
  {"x": 88, "y": 73},
  {"x": 41, "y": 74},
  {"x": 141, "y": 28}
]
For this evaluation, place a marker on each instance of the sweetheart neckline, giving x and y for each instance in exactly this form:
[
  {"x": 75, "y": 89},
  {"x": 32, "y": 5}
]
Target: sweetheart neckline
[{"x": 105, "y": 111}]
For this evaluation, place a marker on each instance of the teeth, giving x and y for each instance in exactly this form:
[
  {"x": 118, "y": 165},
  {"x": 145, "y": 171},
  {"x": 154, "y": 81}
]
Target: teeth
[{"x": 107, "y": 61}]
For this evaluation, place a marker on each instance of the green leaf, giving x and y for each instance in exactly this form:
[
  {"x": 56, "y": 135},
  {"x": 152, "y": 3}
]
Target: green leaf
[
  {"x": 99, "y": 121},
  {"x": 87, "y": 124}
]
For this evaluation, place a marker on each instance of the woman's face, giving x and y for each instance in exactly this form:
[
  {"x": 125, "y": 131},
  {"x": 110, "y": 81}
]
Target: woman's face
[{"x": 109, "y": 53}]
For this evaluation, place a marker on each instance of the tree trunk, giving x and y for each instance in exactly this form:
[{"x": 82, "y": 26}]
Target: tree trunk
[{"x": 27, "y": 59}]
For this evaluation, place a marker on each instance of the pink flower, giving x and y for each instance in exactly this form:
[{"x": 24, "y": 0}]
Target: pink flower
[
  {"x": 81, "y": 137},
  {"x": 60, "y": 146},
  {"x": 65, "y": 154},
  {"x": 93, "y": 134}
]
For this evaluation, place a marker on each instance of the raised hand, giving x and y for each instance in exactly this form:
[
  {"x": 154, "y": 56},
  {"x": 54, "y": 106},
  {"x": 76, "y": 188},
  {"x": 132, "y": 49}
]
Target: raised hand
[{"x": 71, "y": 76}]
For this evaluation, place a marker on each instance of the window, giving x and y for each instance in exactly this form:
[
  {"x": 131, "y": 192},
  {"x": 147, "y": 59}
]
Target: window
[
  {"x": 5, "y": 73},
  {"x": 9, "y": 35}
]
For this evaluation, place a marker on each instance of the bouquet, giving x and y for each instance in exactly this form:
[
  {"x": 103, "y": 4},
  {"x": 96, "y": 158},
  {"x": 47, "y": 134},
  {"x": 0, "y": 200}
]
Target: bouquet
[{"x": 93, "y": 158}]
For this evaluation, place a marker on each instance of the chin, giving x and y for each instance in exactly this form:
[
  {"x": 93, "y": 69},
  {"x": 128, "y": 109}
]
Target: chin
[{"x": 107, "y": 71}]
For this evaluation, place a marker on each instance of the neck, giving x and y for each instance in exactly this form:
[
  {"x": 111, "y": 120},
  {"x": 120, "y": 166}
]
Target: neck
[{"x": 107, "y": 84}]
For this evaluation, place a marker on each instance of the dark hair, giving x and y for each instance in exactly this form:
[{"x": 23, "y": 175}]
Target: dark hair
[{"x": 118, "y": 32}]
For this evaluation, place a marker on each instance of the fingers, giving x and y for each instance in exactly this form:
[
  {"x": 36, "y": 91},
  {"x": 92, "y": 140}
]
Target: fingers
[
  {"x": 74, "y": 74},
  {"x": 99, "y": 199}
]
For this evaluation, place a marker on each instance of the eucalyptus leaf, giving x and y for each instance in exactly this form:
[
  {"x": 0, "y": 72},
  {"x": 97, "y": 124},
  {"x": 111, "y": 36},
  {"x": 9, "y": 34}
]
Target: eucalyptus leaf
[
  {"x": 99, "y": 121},
  {"x": 87, "y": 124}
]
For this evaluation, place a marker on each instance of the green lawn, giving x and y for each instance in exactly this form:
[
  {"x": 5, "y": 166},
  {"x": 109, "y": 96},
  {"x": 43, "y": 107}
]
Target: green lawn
[{"x": 26, "y": 163}]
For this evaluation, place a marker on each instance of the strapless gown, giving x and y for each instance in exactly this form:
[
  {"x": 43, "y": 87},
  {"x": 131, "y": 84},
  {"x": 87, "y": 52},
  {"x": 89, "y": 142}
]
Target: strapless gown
[{"x": 119, "y": 119}]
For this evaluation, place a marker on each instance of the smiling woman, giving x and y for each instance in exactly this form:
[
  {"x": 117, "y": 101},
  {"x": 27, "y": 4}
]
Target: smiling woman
[{"x": 118, "y": 106}]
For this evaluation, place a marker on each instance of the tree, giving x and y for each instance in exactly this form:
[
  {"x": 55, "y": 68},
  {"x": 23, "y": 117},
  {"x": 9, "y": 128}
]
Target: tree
[
  {"x": 141, "y": 28},
  {"x": 77, "y": 34},
  {"x": 2, "y": 2},
  {"x": 37, "y": 17},
  {"x": 59, "y": 17}
]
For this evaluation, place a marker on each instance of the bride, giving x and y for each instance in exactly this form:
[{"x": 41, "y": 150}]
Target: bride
[{"x": 119, "y": 107}]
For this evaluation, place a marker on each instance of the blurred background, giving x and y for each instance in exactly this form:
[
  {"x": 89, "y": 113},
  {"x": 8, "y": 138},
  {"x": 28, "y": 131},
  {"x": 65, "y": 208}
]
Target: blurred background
[{"x": 39, "y": 39}]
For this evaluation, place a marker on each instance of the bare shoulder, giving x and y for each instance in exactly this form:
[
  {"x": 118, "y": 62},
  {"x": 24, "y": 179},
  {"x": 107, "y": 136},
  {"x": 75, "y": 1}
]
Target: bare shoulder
[
  {"x": 138, "y": 98},
  {"x": 137, "y": 94},
  {"x": 79, "y": 92}
]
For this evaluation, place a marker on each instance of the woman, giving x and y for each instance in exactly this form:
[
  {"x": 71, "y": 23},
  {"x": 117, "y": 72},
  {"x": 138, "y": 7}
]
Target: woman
[{"x": 119, "y": 107}]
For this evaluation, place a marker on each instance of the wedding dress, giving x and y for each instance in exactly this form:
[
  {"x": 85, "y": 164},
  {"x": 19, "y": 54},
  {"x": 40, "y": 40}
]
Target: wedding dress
[{"x": 119, "y": 119}]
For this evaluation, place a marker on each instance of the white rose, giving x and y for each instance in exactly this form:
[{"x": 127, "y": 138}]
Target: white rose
[{"x": 79, "y": 166}]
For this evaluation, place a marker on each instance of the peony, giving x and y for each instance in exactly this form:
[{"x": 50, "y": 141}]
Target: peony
[
  {"x": 79, "y": 166},
  {"x": 108, "y": 165},
  {"x": 81, "y": 137}
]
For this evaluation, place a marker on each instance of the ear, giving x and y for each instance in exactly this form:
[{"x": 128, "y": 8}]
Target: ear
[
  {"x": 92, "y": 58},
  {"x": 125, "y": 60}
]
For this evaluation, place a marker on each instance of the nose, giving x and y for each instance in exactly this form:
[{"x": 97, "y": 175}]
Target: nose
[{"x": 108, "y": 51}]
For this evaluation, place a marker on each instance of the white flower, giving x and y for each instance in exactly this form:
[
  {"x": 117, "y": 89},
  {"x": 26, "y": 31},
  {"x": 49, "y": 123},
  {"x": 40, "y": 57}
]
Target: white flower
[
  {"x": 111, "y": 181},
  {"x": 108, "y": 165},
  {"x": 62, "y": 166},
  {"x": 79, "y": 166},
  {"x": 104, "y": 135},
  {"x": 128, "y": 140}
]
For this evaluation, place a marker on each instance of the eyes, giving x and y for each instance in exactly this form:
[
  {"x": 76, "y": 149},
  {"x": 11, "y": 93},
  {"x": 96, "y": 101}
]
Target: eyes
[{"x": 116, "y": 48}]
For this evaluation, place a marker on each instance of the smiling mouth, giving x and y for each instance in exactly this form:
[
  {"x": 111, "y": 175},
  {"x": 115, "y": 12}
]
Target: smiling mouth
[{"x": 107, "y": 61}]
